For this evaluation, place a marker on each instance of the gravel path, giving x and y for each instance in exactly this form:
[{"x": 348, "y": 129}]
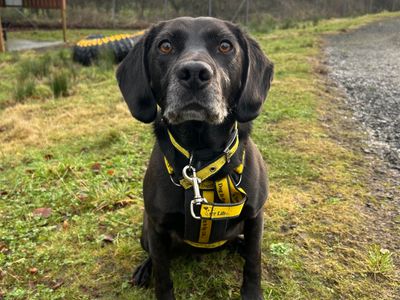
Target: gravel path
[{"x": 366, "y": 64}]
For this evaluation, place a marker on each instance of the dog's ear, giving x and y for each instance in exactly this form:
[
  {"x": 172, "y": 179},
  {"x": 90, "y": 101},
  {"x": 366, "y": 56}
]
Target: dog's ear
[
  {"x": 257, "y": 76},
  {"x": 134, "y": 83}
]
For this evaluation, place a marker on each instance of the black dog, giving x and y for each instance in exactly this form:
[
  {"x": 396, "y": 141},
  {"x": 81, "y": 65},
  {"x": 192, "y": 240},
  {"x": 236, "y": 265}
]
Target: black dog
[{"x": 206, "y": 181}]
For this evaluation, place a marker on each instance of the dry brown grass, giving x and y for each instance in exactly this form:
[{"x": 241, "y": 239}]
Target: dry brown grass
[{"x": 29, "y": 125}]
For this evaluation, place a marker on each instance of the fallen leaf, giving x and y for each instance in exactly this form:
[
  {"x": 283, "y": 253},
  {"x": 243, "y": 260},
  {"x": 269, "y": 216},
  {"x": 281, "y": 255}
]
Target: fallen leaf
[
  {"x": 124, "y": 202},
  {"x": 108, "y": 238},
  {"x": 3, "y": 247},
  {"x": 110, "y": 172},
  {"x": 82, "y": 196},
  {"x": 29, "y": 171},
  {"x": 96, "y": 167},
  {"x": 65, "y": 224},
  {"x": 44, "y": 212},
  {"x": 48, "y": 156},
  {"x": 57, "y": 284}
]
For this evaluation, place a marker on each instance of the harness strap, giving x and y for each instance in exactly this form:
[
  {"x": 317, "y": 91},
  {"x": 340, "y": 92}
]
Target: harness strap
[
  {"x": 211, "y": 168},
  {"x": 230, "y": 151},
  {"x": 204, "y": 245},
  {"x": 178, "y": 146},
  {"x": 233, "y": 199},
  {"x": 206, "y": 222}
]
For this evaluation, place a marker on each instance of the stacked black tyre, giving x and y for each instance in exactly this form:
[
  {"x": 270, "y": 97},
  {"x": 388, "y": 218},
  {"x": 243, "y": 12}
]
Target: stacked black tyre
[{"x": 89, "y": 49}]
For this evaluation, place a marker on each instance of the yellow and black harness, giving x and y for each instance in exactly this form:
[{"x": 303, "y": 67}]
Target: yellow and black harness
[{"x": 211, "y": 197}]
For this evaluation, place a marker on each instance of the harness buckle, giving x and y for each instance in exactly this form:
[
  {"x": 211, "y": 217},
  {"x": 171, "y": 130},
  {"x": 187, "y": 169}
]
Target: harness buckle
[
  {"x": 198, "y": 199},
  {"x": 196, "y": 202}
]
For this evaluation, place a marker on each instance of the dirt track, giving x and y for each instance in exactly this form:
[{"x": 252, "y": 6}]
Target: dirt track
[{"x": 366, "y": 64}]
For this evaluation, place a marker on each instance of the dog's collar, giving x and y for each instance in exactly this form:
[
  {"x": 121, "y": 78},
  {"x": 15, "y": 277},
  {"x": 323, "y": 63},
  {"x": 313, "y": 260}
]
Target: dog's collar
[{"x": 219, "y": 199}]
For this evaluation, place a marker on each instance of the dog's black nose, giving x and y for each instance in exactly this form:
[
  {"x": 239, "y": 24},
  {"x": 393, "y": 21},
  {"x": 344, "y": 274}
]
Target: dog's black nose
[{"x": 194, "y": 74}]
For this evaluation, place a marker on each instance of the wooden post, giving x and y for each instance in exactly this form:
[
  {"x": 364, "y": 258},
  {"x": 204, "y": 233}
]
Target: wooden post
[
  {"x": 113, "y": 12},
  {"x": 2, "y": 43},
  {"x": 64, "y": 18},
  {"x": 247, "y": 12},
  {"x": 165, "y": 9}
]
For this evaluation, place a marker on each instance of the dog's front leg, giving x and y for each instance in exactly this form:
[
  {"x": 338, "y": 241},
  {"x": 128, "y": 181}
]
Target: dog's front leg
[
  {"x": 159, "y": 242},
  {"x": 251, "y": 287}
]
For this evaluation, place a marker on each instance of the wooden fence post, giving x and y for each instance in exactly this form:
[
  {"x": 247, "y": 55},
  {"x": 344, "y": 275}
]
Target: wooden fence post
[
  {"x": 2, "y": 43},
  {"x": 113, "y": 12},
  {"x": 64, "y": 18}
]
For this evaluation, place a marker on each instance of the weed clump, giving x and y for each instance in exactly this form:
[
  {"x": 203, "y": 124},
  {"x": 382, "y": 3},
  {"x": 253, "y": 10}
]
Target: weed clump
[
  {"x": 37, "y": 68},
  {"x": 280, "y": 249},
  {"x": 24, "y": 90},
  {"x": 105, "y": 60},
  {"x": 59, "y": 84},
  {"x": 54, "y": 70},
  {"x": 380, "y": 261},
  {"x": 43, "y": 76}
]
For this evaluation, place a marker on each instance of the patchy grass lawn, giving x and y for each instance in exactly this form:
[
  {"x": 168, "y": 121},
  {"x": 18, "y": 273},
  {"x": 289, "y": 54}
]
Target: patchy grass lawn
[{"x": 70, "y": 185}]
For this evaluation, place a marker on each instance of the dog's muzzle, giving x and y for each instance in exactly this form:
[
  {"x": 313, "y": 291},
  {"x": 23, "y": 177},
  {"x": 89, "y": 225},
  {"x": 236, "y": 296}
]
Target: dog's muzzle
[{"x": 194, "y": 93}]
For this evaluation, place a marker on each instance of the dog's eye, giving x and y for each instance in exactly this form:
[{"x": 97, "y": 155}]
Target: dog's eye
[
  {"x": 225, "y": 47},
  {"x": 165, "y": 47}
]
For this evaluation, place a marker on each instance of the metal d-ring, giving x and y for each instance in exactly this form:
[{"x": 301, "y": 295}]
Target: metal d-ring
[
  {"x": 174, "y": 182},
  {"x": 228, "y": 146},
  {"x": 239, "y": 181}
]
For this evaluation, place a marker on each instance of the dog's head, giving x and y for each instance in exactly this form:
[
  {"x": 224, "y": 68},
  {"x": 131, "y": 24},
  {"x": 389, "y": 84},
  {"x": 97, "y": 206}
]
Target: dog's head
[{"x": 195, "y": 69}]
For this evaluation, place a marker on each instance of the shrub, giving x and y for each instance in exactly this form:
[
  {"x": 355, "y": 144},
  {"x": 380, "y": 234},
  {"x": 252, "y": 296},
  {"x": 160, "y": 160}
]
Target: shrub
[
  {"x": 24, "y": 89},
  {"x": 263, "y": 22},
  {"x": 288, "y": 23},
  {"x": 59, "y": 84},
  {"x": 38, "y": 68}
]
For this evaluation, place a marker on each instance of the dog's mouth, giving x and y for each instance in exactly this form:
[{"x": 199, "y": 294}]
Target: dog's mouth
[
  {"x": 193, "y": 112},
  {"x": 190, "y": 112},
  {"x": 193, "y": 106},
  {"x": 205, "y": 105}
]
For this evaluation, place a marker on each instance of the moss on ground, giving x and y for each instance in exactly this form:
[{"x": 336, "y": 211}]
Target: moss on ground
[{"x": 81, "y": 158}]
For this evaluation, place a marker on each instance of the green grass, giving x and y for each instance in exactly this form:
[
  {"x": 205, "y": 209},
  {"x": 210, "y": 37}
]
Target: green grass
[
  {"x": 24, "y": 90},
  {"x": 380, "y": 261},
  {"x": 37, "y": 77},
  {"x": 59, "y": 84},
  {"x": 84, "y": 157}
]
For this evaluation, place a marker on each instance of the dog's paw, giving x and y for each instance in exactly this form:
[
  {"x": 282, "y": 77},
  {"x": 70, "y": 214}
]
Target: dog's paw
[
  {"x": 142, "y": 275},
  {"x": 252, "y": 294}
]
